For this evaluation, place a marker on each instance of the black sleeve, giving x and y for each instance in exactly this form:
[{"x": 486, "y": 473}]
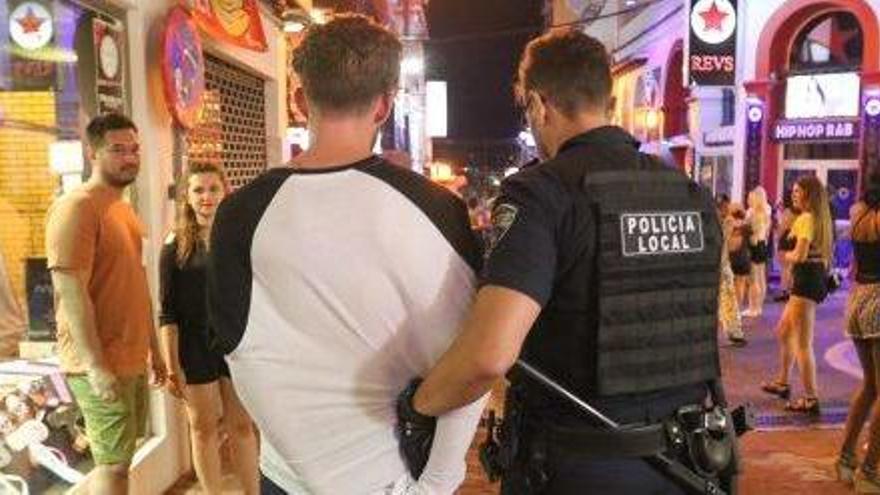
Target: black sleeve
[
  {"x": 229, "y": 272},
  {"x": 523, "y": 252},
  {"x": 167, "y": 267}
]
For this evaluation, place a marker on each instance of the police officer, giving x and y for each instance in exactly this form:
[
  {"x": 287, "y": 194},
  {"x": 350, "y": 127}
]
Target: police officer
[{"x": 604, "y": 275}]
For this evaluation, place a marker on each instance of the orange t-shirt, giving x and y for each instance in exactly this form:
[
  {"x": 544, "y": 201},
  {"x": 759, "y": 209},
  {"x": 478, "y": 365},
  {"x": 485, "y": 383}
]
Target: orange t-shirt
[{"x": 93, "y": 231}]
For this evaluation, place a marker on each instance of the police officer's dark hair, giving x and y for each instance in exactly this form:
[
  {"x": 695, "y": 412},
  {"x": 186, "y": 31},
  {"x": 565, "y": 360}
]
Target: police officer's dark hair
[
  {"x": 345, "y": 64},
  {"x": 569, "y": 68},
  {"x": 99, "y": 126}
]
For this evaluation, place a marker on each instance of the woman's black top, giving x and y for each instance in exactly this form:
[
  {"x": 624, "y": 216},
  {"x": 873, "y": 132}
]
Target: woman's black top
[{"x": 183, "y": 303}]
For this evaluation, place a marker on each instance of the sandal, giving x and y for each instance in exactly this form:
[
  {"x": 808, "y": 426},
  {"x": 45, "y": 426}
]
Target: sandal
[
  {"x": 806, "y": 405},
  {"x": 845, "y": 467},
  {"x": 779, "y": 389},
  {"x": 866, "y": 481}
]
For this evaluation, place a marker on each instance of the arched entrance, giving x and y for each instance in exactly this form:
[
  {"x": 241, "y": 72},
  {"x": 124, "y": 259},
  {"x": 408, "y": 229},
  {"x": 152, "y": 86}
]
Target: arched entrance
[{"x": 804, "y": 45}]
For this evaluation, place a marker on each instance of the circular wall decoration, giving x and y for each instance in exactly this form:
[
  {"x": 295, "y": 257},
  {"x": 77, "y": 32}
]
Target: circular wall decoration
[
  {"x": 30, "y": 26},
  {"x": 872, "y": 107},
  {"x": 713, "y": 21},
  {"x": 108, "y": 56},
  {"x": 183, "y": 68},
  {"x": 755, "y": 114}
]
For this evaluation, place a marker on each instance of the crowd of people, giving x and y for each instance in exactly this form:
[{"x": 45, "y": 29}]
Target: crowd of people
[{"x": 338, "y": 323}]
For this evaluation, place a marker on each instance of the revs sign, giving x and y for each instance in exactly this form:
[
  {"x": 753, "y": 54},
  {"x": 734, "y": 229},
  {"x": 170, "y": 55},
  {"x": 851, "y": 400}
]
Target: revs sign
[
  {"x": 712, "y": 42},
  {"x": 659, "y": 233}
]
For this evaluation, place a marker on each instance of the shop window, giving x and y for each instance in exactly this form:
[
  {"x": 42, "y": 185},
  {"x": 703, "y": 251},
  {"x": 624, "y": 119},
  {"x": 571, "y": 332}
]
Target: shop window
[
  {"x": 821, "y": 151},
  {"x": 716, "y": 174},
  {"x": 728, "y": 106},
  {"x": 833, "y": 40},
  {"x": 60, "y": 64}
]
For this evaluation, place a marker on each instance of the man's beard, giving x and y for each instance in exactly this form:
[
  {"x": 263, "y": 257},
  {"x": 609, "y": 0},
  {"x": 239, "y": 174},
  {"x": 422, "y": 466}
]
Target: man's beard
[{"x": 117, "y": 181}]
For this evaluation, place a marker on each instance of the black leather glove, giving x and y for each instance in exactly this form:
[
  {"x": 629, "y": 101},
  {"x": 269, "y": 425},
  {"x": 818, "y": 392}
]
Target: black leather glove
[{"x": 415, "y": 431}]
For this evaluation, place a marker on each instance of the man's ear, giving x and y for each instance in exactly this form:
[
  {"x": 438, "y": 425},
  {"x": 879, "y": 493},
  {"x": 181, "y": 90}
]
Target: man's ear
[
  {"x": 91, "y": 153},
  {"x": 384, "y": 107},
  {"x": 299, "y": 98},
  {"x": 538, "y": 106}
]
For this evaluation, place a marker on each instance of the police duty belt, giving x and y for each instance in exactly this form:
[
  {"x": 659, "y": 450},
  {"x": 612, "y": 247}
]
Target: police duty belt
[{"x": 661, "y": 461}]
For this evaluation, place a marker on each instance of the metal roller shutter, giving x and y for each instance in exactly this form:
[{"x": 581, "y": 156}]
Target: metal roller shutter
[{"x": 232, "y": 129}]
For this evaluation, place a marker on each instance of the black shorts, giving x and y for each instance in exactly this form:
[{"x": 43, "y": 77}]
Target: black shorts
[
  {"x": 810, "y": 281},
  {"x": 759, "y": 252},
  {"x": 200, "y": 363},
  {"x": 740, "y": 262}
]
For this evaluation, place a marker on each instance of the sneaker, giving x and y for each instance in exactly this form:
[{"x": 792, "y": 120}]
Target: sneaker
[{"x": 738, "y": 341}]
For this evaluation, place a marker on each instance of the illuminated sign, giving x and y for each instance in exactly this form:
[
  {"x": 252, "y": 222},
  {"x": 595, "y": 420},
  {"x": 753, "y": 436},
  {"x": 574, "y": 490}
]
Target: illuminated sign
[
  {"x": 183, "y": 68},
  {"x": 815, "y": 130},
  {"x": 30, "y": 26},
  {"x": 712, "y": 42},
  {"x": 822, "y": 95}
]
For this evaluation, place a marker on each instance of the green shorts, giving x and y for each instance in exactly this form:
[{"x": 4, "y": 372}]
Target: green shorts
[{"x": 112, "y": 427}]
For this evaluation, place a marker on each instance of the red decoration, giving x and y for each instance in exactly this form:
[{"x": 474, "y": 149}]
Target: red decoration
[
  {"x": 183, "y": 68},
  {"x": 233, "y": 21},
  {"x": 714, "y": 18},
  {"x": 30, "y": 23}
]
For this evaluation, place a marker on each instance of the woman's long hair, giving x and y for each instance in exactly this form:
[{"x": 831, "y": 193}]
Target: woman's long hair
[
  {"x": 187, "y": 230},
  {"x": 871, "y": 197},
  {"x": 759, "y": 205},
  {"x": 816, "y": 199}
]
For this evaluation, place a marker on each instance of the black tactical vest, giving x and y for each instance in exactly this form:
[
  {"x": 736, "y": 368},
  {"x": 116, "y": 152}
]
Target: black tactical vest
[{"x": 652, "y": 320}]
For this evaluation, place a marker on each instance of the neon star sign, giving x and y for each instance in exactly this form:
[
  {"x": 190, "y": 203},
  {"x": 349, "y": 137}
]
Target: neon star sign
[
  {"x": 30, "y": 26},
  {"x": 713, "y": 21},
  {"x": 713, "y": 18}
]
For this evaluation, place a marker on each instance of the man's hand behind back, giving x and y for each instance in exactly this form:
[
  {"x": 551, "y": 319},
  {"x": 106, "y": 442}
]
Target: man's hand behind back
[
  {"x": 105, "y": 384},
  {"x": 415, "y": 431}
]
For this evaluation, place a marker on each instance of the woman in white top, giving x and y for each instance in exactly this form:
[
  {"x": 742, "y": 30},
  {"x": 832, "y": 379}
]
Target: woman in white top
[{"x": 758, "y": 219}]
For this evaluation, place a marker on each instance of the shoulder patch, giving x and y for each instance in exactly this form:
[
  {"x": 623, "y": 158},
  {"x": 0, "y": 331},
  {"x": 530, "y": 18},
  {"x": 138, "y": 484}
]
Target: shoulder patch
[{"x": 503, "y": 217}]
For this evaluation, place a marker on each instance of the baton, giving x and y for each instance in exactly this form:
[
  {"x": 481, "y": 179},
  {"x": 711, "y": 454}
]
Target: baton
[{"x": 663, "y": 463}]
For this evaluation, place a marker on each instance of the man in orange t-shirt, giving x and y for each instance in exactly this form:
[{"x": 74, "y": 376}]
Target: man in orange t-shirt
[{"x": 106, "y": 338}]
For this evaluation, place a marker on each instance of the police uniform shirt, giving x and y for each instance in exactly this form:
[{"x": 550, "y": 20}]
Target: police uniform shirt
[
  {"x": 329, "y": 290},
  {"x": 544, "y": 245}
]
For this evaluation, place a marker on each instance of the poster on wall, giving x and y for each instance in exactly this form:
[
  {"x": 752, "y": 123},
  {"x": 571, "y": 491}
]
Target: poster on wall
[
  {"x": 232, "y": 21},
  {"x": 109, "y": 42},
  {"x": 712, "y": 42},
  {"x": 31, "y": 29}
]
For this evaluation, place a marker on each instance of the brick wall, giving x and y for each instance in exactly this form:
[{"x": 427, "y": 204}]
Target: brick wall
[{"x": 27, "y": 186}]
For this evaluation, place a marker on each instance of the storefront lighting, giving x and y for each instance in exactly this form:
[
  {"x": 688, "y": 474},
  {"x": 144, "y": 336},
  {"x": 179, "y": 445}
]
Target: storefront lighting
[
  {"x": 436, "y": 108},
  {"x": 293, "y": 26},
  {"x": 66, "y": 157},
  {"x": 652, "y": 118},
  {"x": 412, "y": 65},
  {"x": 441, "y": 172}
]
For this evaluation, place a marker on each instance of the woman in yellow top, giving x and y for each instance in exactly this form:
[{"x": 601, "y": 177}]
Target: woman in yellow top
[
  {"x": 810, "y": 257},
  {"x": 863, "y": 326}
]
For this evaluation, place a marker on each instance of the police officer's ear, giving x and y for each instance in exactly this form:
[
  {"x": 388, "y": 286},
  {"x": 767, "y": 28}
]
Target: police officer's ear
[{"x": 536, "y": 107}]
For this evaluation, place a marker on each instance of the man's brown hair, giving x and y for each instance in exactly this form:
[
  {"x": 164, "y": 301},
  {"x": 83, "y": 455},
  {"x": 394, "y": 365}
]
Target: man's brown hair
[
  {"x": 99, "y": 126},
  {"x": 345, "y": 64},
  {"x": 568, "y": 68}
]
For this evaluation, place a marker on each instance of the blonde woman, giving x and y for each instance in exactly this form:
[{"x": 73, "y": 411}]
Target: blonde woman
[
  {"x": 863, "y": 326},
  {"x": 758, "y": 219},
  {"x": 197, "y": 372},
  {"x": 810, "y": 260}
]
